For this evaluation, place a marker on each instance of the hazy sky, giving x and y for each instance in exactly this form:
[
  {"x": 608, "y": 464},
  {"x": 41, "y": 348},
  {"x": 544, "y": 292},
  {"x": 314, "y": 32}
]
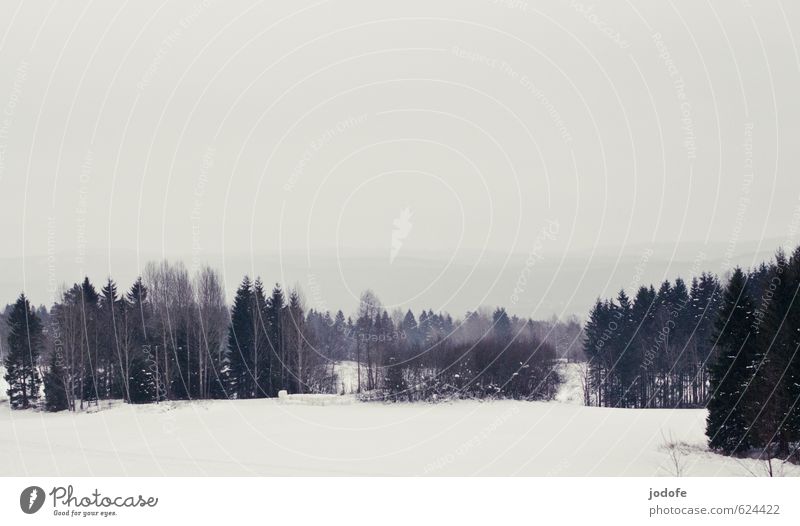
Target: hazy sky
[{"x": 304, "y": 140}]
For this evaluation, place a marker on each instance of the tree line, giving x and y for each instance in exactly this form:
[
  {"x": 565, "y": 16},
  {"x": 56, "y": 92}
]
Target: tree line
[
  {"x": 171, "y": 336},
  {"x": 755, "y": 377},
  {"x": 652, "y": 350},
  {"x": 729, "y": 346}
]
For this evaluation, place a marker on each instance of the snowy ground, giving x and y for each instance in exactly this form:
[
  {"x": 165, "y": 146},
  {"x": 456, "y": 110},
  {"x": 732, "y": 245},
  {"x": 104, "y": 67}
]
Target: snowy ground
[{"x": 339, "y": 436}]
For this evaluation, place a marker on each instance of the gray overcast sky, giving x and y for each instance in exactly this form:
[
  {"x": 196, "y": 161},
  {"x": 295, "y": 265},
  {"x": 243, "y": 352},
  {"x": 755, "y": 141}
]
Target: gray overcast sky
[{"x": 286, "y": 138}]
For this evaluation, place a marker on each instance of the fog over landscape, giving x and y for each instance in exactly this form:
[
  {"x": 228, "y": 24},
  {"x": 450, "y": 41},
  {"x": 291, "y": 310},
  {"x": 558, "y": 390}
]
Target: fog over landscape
[
  {"x": 294, "y": 146},
  {"x": 555, "y": 284}
]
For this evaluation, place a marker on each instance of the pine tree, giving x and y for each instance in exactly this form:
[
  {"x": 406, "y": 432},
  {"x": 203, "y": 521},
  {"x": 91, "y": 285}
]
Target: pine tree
[
  {"x": 703, "y": 310},
  {"x": 24, "y": 347},
  {"x": 240, "y": 341},
  {"x": 295, "y": 343},
  {"x": 111, "y": 359},
  {"x": 626, "y": 362},
  {"x": 501, "y": 326},
  {"x": 89, "y": 391},
  {"x": 422, "y": 329},
  {"x": 775, "y": 388},
  {"x": 642, "y": 315},
  {"x": 395, "y": 384},
  {"x": 142, "y": 382},
  {"x": 680, "y": 305},
  {"x": 89, "y": 353},
  {"x": 276, "y": 346},
  {"x": 55, "y": 393},
  {"x": 409, "y": 329},
  {"x": 595, "y": 330},
  {"x": 260, "y": 338},
  {"x": 140, "y": 379},
  {"x": 727, "y": 424},
  {"x": 339, "y": 337},
  {"x": 792, "y": 379}
]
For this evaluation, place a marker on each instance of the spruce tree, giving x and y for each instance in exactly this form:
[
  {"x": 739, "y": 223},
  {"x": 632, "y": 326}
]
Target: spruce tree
[
  {"x": 339, "y": 337},
  {"x": 110, "y": 357},
  {"x": 140, "y": 372},
  {"x": 55, "y": 393},
  {"x": 89, "y": 299},
  {"x": 24, "y": 347},
  {"x": 295, "y": 343},
  {"x": 501, "y": 325},
  {"x": 89, "y": 391},
  {"x": 728, "y": 424},
  {"x": 141, "y": 380},
  {"x": 240, "y": 341},
  {"x": 260, "y": 338},
  {"x": 593, "y": 345},
  {"x": 394, "y": 381},
  {"x": 775, "y": 389},
  {"x": 626, "y": 360},
  {"x": 275, "y": 335},
  {"x": 792, "y": 380},
  {"x": 703, "y": 310},
  {"x": 642, "y": 315},
  {"x": 409, "y": 329}
]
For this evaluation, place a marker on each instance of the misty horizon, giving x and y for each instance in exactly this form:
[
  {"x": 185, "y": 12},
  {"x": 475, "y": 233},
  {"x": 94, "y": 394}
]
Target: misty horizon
[{"x": 318, "y": 275}]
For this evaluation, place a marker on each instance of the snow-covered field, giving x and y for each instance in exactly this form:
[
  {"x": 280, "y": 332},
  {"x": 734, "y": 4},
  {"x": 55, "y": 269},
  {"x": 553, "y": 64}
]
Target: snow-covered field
[{"x": 336, "y": 435}]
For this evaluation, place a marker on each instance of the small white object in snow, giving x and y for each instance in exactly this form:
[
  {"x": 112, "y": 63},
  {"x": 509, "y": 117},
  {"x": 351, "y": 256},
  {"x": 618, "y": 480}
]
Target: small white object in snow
[{"x": 283, "y": 394}]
